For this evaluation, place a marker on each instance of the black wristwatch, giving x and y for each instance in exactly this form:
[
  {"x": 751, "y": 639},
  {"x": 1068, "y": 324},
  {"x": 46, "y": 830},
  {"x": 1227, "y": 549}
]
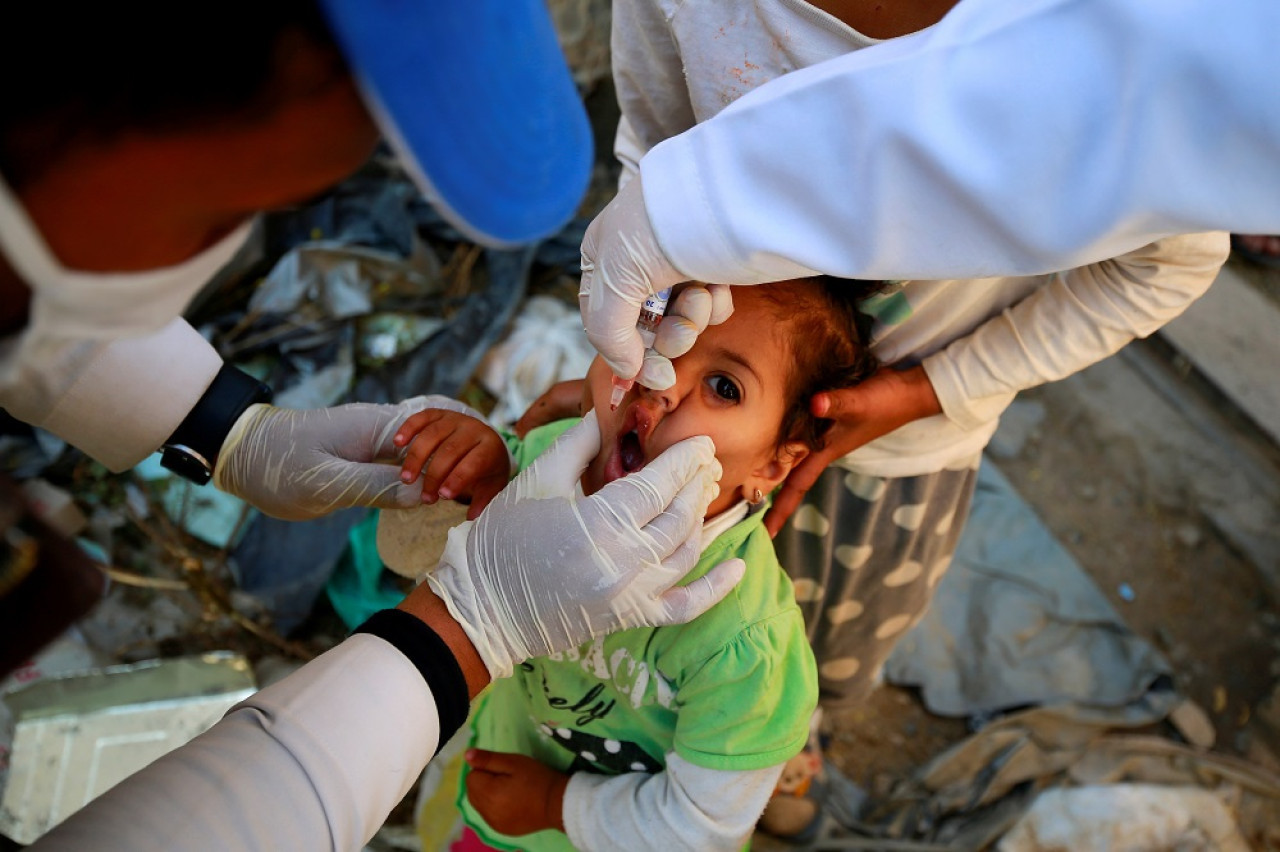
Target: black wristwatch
[{"x": 192, "y": 450}]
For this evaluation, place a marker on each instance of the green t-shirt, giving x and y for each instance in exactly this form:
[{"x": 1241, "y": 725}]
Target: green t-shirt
[{"x": 734, "y": 689}]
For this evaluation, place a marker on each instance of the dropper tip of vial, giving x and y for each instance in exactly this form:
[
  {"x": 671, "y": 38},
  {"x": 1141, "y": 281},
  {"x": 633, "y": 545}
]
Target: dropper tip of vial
[{"x": 620, "y": 388}]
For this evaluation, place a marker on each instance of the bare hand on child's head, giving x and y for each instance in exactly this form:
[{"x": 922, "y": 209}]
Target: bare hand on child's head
[
  {"x": 884, "y": 402},
  {"x": 515, "y": 794},
  {"x": 457, "y": 456}
]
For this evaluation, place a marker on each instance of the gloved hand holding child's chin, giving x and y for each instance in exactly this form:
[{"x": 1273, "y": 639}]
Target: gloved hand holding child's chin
[
  {"x": 542, "y": 571},
  {"x": 623, "y": 264}
]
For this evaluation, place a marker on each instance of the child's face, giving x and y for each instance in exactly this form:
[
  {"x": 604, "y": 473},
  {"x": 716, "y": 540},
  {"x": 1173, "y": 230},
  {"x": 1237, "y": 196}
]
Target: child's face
[{"x": 731, "y": 386}]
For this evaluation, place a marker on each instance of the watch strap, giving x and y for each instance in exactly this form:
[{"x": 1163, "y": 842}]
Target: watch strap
[{"x": 192, "y": 450}]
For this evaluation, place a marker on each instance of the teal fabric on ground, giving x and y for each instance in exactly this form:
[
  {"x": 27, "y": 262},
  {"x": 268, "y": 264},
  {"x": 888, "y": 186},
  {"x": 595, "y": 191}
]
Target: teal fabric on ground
[{"x": 361, "y": 585}]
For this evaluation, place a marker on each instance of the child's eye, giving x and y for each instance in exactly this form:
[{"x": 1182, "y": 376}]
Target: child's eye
[{"x": 723, "y": 387}]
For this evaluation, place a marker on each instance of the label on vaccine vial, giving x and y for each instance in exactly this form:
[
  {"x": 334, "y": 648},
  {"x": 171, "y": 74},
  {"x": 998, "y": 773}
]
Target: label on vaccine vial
[{"x": 653, "y": 308}]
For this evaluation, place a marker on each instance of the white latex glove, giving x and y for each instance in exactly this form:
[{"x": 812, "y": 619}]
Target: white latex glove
[
  {"x": 300, "y": 464},
  {"x": 542, "y": 571},
  {"x": 623, "y": 264}
]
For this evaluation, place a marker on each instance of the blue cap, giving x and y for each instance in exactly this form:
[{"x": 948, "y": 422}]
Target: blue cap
[{"x": 476, "y": 98}]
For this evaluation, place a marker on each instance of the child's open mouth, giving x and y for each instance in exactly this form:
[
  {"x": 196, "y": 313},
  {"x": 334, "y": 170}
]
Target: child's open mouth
[{"x": 629, "y": 454}]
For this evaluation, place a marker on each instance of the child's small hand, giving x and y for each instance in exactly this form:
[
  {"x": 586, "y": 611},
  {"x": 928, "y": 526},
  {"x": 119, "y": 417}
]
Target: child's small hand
[
  {"x": 457, "y": 456},
  {"x": 515, "y": 794}
]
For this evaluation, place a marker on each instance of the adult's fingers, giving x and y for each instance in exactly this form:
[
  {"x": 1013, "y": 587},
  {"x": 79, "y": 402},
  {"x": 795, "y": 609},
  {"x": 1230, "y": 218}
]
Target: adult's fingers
[
  {"x": 835, "y": 404},
  {"x": 556, "y": 472},
  {"x": 339, "y": 484},
  {"x": 608, "y": 317},
  {"x": 694, "y": 303},
  {"x": 610, "y": 323},
  {"x": 721, "y": 303},
  {"x": 696, "y": 307},
  {"x": 685, "y": 603},
  {"x": 657, "y": 372},
  {"x": 622, "y": 265},
  {"x": 639, "y": 498},
  {"x": 686, "y": 318},
  {"x": 681, "y": 521}
]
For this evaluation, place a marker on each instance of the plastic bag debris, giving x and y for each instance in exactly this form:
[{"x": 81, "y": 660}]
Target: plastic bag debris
[
  {"x": 327, "y": 280},
  {"x": 547, "y": 344},
  {"x": 385, "y": 337},
  {"x": 1126, "y": 818}
]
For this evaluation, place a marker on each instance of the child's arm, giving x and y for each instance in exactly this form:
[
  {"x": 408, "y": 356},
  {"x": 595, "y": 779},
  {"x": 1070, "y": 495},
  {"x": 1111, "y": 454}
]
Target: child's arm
[
  {"x": 1075, "y": 320},
  {"x": 455, "y": 452},
  {"x": 1080, "y": 317},
  {"x": 683, "y": 807},
  {"x": 561, "y": 400}
]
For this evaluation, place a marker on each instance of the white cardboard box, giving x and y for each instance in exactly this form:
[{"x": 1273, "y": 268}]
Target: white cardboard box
[{"x": 77, "y": 736}]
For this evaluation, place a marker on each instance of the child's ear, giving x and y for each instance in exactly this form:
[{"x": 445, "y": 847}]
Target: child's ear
[{"x": 770, "y": 475}]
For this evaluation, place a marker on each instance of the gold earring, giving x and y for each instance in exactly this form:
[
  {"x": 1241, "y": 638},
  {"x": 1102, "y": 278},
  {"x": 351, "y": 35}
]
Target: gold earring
[{"x": 757, "y": 497}]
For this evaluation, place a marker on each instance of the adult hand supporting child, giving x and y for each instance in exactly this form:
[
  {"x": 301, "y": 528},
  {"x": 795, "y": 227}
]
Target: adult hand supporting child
[
  {"x": 889, "y": 399},
  {"x": 631, "y": 267},
  {"x": 616, "y": 555}
]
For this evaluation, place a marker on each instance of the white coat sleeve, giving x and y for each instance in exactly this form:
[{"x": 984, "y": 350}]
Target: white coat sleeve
[
  {"x": 117, "y": 400},
  {"x": 1080, "y": 317},
  {"x": 316, "y": 761},
  {"x": 683, "y": 807},
  {"x": 1009, "y": 138}
]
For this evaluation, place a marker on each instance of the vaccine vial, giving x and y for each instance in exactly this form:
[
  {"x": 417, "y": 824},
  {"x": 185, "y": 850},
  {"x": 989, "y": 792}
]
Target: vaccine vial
[{"x": 651, "y": 315}]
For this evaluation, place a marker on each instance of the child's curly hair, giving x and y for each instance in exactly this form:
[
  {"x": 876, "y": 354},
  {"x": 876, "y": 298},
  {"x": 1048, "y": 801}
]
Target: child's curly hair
[{"x": 830, "y": 346}]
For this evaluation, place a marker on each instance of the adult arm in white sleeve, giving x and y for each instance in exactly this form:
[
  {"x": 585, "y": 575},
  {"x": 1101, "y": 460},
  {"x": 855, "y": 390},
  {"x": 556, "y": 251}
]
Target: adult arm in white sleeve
[
  {"x": 289, "y": 768},
  {"x": 683, "y": 807},
  {"x": 1009, "y": 138},
  {"x": 117, "y": 400},
  {"x": 1080, "y": 317}
]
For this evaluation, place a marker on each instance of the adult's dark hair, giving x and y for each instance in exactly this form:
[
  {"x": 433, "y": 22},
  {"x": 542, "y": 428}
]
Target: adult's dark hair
[{"x": 85, "y": 72}]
